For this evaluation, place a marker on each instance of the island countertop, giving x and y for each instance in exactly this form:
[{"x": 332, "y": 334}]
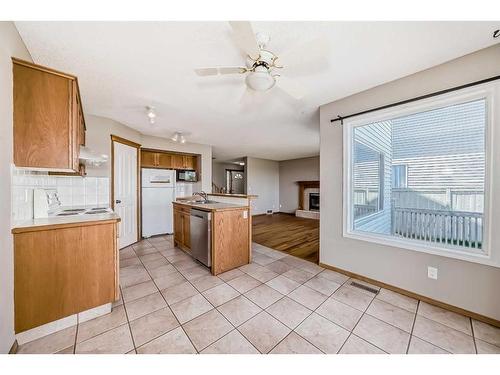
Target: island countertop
[
  {"x": 209, "y": 207},
  {"x": 251, "y": 196}
]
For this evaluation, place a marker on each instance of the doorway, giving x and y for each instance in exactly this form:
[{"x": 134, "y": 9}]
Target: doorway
[
  {"x": 125, "y": 188},
  {"x": 235, "y": 181}
]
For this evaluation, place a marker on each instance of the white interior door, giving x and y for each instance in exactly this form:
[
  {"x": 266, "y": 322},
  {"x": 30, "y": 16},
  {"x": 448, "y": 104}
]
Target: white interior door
[{"x": 125, "y": 191}]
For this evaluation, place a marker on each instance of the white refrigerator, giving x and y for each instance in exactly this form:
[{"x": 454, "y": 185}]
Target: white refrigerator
[{"x": 158, "y": 193}]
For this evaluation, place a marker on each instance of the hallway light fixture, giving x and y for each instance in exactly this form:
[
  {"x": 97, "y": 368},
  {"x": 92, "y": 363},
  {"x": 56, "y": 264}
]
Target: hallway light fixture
[
  {"x": 151, "y": 114},
  {"x": 178, "y": 137}
]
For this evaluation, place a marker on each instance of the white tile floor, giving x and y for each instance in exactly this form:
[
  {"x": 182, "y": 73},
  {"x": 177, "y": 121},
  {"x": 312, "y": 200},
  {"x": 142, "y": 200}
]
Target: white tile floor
[{"x": 277, "y": 304}]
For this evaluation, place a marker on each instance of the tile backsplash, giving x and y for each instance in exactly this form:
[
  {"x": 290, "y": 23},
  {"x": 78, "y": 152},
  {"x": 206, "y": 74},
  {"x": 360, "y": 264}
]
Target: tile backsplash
[{"x": 72, "y": 191}]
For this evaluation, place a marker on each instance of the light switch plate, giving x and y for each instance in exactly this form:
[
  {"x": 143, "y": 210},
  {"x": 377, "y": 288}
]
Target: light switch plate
[
  {"x": 245, "y": 214},
  {"x": 432, "y": 273}
]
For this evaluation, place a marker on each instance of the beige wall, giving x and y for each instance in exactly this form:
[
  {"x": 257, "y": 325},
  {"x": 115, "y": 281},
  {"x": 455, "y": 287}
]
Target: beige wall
[
  {"x": 98, "y": 139},
  {"x": 99, "y": 130},
  {"x": 470, "y": 286},
  {"x": 10, "y": 45},
  {"x": 291, "y": 171},
  {"x": 263, "y": 180}
]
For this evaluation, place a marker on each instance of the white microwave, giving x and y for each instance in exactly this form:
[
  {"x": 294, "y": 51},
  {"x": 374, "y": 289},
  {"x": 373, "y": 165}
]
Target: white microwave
[{"x": 188, "y": 176}]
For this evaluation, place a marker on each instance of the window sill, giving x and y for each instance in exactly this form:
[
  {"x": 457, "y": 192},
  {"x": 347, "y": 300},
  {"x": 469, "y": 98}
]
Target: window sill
[{"x": 448, "y": 252}]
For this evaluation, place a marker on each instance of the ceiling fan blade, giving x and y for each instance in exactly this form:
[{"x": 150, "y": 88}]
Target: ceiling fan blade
[
  {"x": 290, "y": 87},
  {"x": 305, "y": 56},
  {"x": 244, "y": 38},
  {"x": 202, "y": 72},
  {"x": 232, "y": 70}
]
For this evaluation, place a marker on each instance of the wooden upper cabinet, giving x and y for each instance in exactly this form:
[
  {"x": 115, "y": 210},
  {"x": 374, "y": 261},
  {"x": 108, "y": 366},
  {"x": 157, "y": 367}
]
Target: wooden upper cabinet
[
  {"x": 165, "y": 160},
  {"x": 149, "y": 159},
  {"x": 178, "y": 161},
  {"x": 48, "y": 120},
  {"x": 189, "y": 162}
]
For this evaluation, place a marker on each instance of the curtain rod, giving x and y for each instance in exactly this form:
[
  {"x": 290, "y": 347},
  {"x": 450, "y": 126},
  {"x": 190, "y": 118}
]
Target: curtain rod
[{"x": 342, "y": 118}]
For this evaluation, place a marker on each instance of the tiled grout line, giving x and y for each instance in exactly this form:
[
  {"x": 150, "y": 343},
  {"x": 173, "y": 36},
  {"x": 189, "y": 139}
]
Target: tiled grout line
[
  {"x": 201, "y": 293},
  {"x": 76, "y": 332},
  {"x": 300, "y": 284},
  {"x": 128, "y": 321},
  {"x": 312, "y": 311},
  {"x": 293, "y": 330},
  {"x": 302, "y": 321},
  {"x": 162, "y": 296},
  {"x": 240, "y": 294},
  {"x": 361, "y": 317},
  {"x": 216, "y": 308},
  {"x": 413, "y": 326},
  {"x": 473, "y": 335},
  {"x": 434, "y": 344}
]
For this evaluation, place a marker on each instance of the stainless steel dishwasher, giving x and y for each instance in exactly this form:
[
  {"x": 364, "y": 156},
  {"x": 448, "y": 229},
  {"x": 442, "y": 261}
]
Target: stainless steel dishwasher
[{"x": 201, "y": 236}]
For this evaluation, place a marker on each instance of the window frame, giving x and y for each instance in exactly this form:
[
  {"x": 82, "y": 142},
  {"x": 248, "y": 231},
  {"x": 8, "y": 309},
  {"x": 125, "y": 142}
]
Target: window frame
[
  {"x": 483, "y": 256},
  {"x": 406, "y": 176}
]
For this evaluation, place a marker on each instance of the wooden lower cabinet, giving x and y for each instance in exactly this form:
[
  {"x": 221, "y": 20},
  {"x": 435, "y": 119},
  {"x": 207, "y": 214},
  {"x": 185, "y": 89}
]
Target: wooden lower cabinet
[
  {"x": 230, "y": 240},
  {"x": 182, "y": 227},
  {"x": 62, "y": 270},
  {"x": 186, "y": 229}
]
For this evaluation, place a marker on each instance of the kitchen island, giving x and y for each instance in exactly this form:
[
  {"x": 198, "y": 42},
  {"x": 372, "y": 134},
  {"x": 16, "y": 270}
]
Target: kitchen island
[{"x": 229, "y": 240}]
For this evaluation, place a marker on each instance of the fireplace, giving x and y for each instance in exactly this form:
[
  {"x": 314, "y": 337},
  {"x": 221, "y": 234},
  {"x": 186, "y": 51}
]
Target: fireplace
[
  {"x": 314, "y": 201},
  {"x": 308, "y": 200}
]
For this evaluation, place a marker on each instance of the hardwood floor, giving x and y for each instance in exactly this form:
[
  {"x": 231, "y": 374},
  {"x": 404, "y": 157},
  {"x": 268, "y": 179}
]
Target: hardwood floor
[{"x": 288, "y": 233}]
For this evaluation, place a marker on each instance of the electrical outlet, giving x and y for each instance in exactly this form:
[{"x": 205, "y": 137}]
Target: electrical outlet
[
  {"x": 245, "y": 214},
  {"x": 432, "y": 273}
]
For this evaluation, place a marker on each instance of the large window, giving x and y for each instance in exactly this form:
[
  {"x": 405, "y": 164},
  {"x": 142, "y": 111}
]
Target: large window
[{"x": 416, "y": 177}]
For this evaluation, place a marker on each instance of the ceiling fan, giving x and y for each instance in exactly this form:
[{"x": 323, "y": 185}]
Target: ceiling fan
[{"x": 263, "y": 68}]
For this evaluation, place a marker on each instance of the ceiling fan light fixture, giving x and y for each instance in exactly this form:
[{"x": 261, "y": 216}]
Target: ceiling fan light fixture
[
  {"x": 260, "y": 79},
  {"x": 182, "y": 139},
  {"x": 175, "y": 137}
]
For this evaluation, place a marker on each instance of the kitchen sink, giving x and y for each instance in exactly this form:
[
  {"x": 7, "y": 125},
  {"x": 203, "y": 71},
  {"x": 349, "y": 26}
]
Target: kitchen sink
[{"x": 206, "y": 202}]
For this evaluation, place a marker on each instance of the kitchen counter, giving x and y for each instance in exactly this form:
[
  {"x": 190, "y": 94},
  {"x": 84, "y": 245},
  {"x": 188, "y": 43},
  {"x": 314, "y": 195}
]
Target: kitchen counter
[
  {"x": 210, "y": 207},
  {"x": 64, "y": 265},
  {"x": 64, "y": 221},
  {"x": 233, "y": 195}
]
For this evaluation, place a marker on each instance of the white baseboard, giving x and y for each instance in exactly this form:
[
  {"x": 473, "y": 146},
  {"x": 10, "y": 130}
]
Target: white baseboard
[{"x": 58, "y": 325}]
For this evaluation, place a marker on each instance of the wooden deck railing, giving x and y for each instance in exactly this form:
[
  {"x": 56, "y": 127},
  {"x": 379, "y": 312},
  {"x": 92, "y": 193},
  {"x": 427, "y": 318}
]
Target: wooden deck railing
[
  {"x": 439, "y": 226},
  {"x": 361, "y": 210}
]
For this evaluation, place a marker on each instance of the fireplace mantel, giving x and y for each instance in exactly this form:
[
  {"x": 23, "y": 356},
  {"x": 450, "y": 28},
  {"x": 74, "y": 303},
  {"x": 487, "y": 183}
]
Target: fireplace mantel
[{"x": 305, "y": 185}]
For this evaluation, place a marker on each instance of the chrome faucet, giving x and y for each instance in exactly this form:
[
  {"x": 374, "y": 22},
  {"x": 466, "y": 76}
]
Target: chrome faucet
[{"x": 203, "y": 195}]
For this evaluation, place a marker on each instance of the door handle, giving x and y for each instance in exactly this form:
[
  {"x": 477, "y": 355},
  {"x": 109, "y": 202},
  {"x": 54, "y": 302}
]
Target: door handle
[{"x": 118, "y": 201}]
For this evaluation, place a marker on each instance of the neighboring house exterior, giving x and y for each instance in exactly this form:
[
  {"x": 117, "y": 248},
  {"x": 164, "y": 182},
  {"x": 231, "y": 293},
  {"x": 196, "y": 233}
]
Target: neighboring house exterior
[
  {"x": 443, "y": 154},
  {"x": 372, "y": 176},
  {"x": 430, "y": 161}
]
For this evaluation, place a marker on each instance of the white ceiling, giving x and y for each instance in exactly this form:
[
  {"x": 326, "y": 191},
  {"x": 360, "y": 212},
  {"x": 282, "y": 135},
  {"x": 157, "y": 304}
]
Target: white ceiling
[{"x": 124, "y": 66}]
